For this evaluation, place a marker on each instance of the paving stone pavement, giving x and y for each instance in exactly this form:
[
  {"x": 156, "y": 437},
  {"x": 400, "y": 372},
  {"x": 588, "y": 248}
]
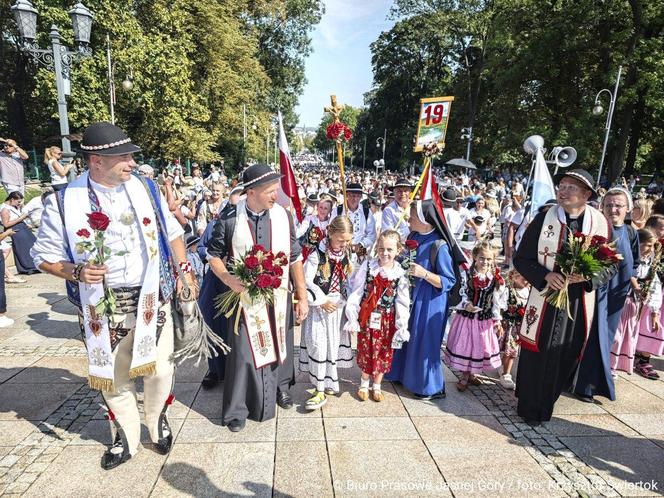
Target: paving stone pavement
[{"x": 53, "y": 433}]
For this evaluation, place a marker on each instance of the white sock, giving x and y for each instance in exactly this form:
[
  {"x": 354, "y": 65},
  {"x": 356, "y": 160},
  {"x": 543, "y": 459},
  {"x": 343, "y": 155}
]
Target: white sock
[
  {"x": 376, "y": 387},
  {"x": 364, "y": 383}
]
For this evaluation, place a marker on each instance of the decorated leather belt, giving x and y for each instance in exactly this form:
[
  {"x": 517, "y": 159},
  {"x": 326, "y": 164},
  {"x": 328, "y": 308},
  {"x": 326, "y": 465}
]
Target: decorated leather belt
[{"x": 127, "y": 299}]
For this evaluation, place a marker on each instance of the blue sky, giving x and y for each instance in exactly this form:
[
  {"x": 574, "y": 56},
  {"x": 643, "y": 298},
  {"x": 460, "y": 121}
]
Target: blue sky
[{"x": 341, "y": 60}]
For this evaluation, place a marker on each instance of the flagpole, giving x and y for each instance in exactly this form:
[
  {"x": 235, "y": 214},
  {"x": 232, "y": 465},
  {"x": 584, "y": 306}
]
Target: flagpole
[{"x": 427, "y": 165}]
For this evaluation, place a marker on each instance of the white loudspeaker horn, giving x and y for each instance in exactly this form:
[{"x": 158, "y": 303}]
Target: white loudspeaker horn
[
  {"x": 533, "y": 143},
  {"x": 564, "y": 156}
]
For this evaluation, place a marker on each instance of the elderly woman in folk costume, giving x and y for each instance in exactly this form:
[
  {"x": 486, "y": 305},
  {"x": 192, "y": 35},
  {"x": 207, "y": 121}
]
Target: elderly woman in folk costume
[
  {"x": 325, "y": 346},
  {"x": 141, "y": 241},
  {"x": 551, "y": 342},
  {"x": 594, "y": 376}
]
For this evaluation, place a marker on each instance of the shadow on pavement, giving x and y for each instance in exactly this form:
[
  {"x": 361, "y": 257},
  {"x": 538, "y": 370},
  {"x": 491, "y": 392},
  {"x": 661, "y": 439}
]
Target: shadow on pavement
[
  {"x": 52, "y": 329},
  {"x": 59, "y": 303}
]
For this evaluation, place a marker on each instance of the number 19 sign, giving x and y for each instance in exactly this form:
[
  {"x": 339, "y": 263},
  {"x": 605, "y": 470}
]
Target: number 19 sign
[{"x": 432, "y": 125}]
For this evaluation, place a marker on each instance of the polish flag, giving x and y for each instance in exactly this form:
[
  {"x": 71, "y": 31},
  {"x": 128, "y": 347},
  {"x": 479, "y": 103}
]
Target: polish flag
[
  {"x": 430, "y": 191},
  {"x": 287, "y": 195}
]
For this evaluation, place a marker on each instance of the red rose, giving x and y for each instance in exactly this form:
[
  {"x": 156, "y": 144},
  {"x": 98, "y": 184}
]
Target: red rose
[
  {"x": 521, "y": 311},
  {"x": 264, "y": 281},
  {"x": 257, "y": 248},
  {"x": 281, "y": 255},
  {"x": 83, "y": 233},
  {"x": 348, "y": 133},
  {"x": 278, "y": 271},
  {"x": 251, "y": 262},
  {"x": 268, "y": 265},
  {"x": 579, "y": 235},
  {"x": 598, "y": 240},
  {"x": 334, "y": 130},
  {"x": 411, "y": 244},
  {"x": 276, "y": 282},
  {"x": 98, "y": 221},
  {"x": 146, "y": 221},
  {"x": 605, "y": 253}
]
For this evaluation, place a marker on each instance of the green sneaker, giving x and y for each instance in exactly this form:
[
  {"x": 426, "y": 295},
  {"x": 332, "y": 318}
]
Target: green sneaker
[
  {"x": 316, "y": 401},
  {"x": 330, "y": 392}
]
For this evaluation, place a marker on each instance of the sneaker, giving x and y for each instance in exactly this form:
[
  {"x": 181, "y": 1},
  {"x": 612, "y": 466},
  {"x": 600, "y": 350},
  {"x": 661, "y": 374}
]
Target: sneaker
[
  {"x": 614, "y": 374},
  {"x": 5, "y": 321},
  {"x": 330, "y": 392},
  {"x": 507, "y": 382},
  {"x": 316, "y": 401}
]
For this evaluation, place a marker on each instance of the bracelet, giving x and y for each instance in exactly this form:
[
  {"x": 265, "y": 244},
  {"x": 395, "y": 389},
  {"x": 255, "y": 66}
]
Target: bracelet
[
  {"x": 185, "y": 267},
  {"x": 76, "y": 272}
]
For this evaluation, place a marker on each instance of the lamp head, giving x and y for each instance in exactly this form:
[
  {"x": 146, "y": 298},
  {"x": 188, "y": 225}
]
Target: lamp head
[
  {"x": 127, "y": 85},
  {"x": 81, "y": 19},
  {"x": 533, "y": 143},
  {"x": 25, "y": 16},
  {"x": 598, "y": 109}
]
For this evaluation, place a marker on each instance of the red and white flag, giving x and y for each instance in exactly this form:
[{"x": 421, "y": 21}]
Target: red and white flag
[
  {"x": 430, "y": 191},
  {"x": 287, "y": 195}
]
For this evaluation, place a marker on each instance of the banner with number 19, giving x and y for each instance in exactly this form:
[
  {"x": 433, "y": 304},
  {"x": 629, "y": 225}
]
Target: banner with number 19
[{"x": 432, "y": 125}]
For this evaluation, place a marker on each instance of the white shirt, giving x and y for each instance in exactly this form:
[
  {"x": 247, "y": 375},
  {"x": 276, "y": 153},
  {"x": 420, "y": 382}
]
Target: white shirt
[
  {"x": 391, "y": 216},
  {"x": 56, "y": 178},
  {"x": 122, "y": 234},
  {"x": 456, "y": 221},
  {"x": 34, "y": 209},
  {"x": 364, "y": 230}
]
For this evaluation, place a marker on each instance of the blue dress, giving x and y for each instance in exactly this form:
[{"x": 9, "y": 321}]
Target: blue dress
[
  {"x": 418, "y": 365},
  {"x": 594, "y": 375}
]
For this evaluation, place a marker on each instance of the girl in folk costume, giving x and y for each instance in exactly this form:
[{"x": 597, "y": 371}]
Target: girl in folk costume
[
  {"x": 472, "y": 346},
  {"x": 517, "y": 296},
  {"x": 313, "y": 228},
  {"x": 641, "y": 311},
  {"x": 378, "y": 308},
  {"x": 324, "y": 346}
]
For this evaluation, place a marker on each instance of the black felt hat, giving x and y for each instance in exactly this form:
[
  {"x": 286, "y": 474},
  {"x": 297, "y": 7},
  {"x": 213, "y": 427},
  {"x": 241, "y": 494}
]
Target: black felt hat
[
  {"x": 580, "y": 175},
  {"x": 313, "y": 198},
  {"x": 449, "y": 195},
  {"x": 354, "y": 187},
  {"x": 403, "y": 183},
  {"x": 106, "y": 139},
  {"x": 193, "y": 239},
  {"x": 258, "y": 174}
]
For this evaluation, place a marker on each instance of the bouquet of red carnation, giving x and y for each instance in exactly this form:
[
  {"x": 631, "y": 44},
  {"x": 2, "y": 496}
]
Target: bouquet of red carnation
[
  {"x": 261, "y": 272},
  {"x": 339, "y": 132},
  {"x": 411, "y": 254},
  {"x": 585, "y": 255}
]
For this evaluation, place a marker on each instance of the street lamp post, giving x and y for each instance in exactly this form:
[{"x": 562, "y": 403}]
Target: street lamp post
[
  {"x": 598, "y": 109},
  {"x": 379, "y": 163},
  {"x": 57, "y": 58},
  {"x": 127, "y": 84}
]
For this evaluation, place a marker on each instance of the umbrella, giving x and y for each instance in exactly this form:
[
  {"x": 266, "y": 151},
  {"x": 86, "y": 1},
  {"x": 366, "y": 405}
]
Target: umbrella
[{"x": 463, "y": 163}]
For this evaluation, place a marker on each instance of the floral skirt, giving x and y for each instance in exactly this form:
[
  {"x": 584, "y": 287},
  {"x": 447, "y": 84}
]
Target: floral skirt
[
  {"x": 509, "y": 342},
  {"x": 374, "y": 347}
]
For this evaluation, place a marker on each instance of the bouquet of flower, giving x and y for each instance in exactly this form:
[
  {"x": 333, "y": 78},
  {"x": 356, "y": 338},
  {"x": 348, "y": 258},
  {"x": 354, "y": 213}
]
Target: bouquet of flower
[
  {"x": 98, "y": 223},
  {"x": 655, "y": 268},
  {"x": 339, "y": 132},
  {"x": 584, "y": 255},
  {"x": 261, "y": 272}
]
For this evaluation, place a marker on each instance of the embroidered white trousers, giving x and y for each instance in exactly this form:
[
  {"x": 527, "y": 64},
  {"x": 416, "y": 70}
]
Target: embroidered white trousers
[{"x": 124, "y": 402}]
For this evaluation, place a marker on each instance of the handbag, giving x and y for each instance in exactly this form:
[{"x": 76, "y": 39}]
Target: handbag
[{"x": 193, "y": 337}]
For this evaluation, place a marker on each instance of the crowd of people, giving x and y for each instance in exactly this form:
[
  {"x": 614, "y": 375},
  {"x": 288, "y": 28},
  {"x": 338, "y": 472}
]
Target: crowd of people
[{"x": 413, "y": 284}]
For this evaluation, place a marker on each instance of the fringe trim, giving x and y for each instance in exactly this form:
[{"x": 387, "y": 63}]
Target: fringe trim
[
  {"x": 202, "y": 343},
  {"x": 101, "y": 384},
  {"x": 143, "y": 370}
]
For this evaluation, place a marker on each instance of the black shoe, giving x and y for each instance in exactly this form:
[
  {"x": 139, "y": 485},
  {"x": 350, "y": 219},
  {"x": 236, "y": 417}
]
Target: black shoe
[
  {"x": 236, "y": 425},
  {"x": 210, "y": 380},
  {"x": 164, "y": 444},
  {"x": 284, "y": 400},
  {"x": 584, "y": 398},
  {"x": 110, "y": 459},
  {"x": 427, "y": 397}
]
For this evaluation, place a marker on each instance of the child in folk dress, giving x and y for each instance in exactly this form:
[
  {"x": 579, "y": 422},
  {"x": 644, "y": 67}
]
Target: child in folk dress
[
  {"x": 324, "y": 346},
  {"x": 472, "y": 345},
  {"x": 517, "y": 296},
  {"x": 378, "y": 309},
  {"x": 641, "y": 311}
]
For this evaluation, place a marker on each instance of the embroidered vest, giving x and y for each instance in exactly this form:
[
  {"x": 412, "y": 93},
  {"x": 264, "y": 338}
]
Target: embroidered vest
[
  {"x": 481, "y": 297},
  {"x": 328, "y": 277}
]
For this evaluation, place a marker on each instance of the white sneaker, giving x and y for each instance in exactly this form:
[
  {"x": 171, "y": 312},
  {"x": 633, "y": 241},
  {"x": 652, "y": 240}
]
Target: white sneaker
[
  {"x": 5, "y": 321},
  {"x": 507, "y": 382}
]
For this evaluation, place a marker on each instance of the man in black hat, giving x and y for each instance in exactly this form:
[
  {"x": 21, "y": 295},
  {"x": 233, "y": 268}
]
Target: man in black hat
[
  {"x": 259, "y": 369},
  {"x": 364, "y": 225},
  {"x": 552, "y": 343},
  {"x": 397, "y": 209},
  {"x": 455, "y": 213},
  {"x": 133, "y": 337}
]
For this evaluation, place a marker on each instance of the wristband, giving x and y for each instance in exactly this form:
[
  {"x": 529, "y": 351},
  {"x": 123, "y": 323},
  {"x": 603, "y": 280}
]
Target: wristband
[
  {"x": 76, "y": 272},
  {"x": 185, "y": 267}
]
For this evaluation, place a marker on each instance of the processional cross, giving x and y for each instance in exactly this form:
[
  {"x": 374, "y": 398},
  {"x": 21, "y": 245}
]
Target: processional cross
[{"x": 335, "y": 110}]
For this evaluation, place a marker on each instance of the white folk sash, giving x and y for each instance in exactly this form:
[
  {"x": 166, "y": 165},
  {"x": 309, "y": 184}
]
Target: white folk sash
[
  {"x": 256, "y": 316},
  {"x": 101, "y": 362},
  {"x": 553, "y": 235}
]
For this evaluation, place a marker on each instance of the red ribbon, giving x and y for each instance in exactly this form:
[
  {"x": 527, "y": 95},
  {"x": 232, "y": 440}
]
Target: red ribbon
[{"x": 379, "y": 286}]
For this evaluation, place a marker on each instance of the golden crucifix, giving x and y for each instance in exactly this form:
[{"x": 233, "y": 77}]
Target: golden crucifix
[{"x": 335, "y": 110}]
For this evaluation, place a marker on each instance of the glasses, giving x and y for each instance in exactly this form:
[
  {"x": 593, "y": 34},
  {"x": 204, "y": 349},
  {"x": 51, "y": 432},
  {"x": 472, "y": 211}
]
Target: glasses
[{"x": 570, "y": 188}]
